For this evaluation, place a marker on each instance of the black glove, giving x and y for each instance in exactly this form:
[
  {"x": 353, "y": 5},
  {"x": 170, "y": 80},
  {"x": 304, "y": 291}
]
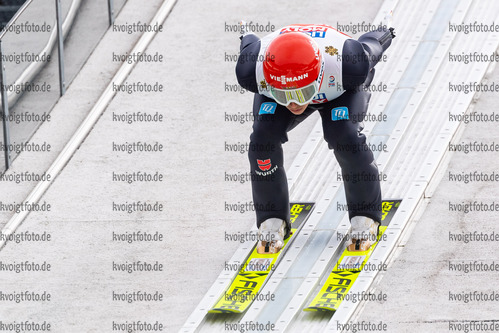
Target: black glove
[{"x": 392, "y": 32}]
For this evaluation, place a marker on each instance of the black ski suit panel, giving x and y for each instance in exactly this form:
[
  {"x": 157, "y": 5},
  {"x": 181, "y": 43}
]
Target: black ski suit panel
[
  {"x": 354, "y": 64},
  {"x": 246, "y": 63},
  {"x": 375, "y": 43},
  {"x": 360, "y": 57}
]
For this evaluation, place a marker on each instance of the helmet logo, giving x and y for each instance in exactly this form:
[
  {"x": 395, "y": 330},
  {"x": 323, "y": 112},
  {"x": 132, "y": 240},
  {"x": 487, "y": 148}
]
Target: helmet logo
[
  {"x": 284, "y": 79},
  {"x": 316, "y": 50}
]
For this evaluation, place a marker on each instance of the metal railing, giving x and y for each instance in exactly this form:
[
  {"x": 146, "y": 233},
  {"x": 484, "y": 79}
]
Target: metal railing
[{"x": 27, "y": 73}]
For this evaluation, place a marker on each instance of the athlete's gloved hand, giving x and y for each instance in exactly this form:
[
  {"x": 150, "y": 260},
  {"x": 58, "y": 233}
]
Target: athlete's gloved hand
[
  {"x": 388, "y": 22},
  {"x": 392, "y": 32},
  {"x": 243, "y": 28}
]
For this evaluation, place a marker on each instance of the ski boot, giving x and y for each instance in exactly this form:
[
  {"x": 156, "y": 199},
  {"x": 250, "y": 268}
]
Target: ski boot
[
  {"x": 271, "y": 236},
  {"x": 364, "y": 233}
]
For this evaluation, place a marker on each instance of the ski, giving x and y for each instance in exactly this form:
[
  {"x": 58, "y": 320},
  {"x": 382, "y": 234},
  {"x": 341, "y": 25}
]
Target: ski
[
  {"x": 257, "y": 268},
  {"x": 348, "y": 267}
]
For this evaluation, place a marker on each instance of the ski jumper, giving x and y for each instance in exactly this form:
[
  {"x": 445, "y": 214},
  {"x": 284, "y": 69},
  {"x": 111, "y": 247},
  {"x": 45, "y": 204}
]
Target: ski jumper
[{"x": 347, "y": 69}]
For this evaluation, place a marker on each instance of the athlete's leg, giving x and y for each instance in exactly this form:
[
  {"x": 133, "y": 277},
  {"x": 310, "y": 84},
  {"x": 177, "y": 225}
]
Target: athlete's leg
[
  {"x": 268, "y": 177},
  {"x": 342, "y": 123}
]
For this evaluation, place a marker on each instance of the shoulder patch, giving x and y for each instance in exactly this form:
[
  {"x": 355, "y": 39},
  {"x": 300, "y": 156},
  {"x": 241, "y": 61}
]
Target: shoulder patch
[
  {"x": 267, "y": 108},
  {"x": 340, "y": 113}
]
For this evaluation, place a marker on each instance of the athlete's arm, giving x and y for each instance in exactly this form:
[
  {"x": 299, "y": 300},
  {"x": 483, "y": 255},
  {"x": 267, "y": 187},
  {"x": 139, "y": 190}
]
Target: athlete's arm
[
  {"x": 375, "y": 43},
  {"x": 246, "y": 63},
  {"x": 360, "y": 57}
]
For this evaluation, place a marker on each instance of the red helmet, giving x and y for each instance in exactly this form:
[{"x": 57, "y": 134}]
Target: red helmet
[{"x": 292, "y": 60}]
